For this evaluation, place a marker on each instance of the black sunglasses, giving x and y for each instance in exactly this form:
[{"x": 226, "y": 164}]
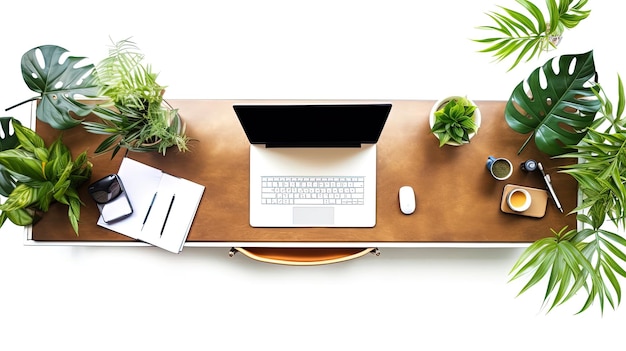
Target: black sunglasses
[{"x": 106, "y": 189}]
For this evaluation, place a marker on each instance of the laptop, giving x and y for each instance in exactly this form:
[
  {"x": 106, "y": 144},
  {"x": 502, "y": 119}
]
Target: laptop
[{"x": 313, "y": 165}]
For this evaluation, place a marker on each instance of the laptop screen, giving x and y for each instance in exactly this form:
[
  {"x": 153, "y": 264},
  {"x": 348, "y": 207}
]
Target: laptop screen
[{"x": 313, "y": 125}]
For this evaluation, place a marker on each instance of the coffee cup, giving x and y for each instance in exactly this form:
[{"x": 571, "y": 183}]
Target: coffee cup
[
  {"x": 499, "y": 167},
  {"x": 519, "y": 200}
]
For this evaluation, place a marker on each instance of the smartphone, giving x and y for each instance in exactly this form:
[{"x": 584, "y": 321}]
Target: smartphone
[{"x": 111, "y": 198}]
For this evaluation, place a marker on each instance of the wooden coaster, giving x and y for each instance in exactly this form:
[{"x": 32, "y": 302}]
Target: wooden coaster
[{"x": 537, "y": 207}]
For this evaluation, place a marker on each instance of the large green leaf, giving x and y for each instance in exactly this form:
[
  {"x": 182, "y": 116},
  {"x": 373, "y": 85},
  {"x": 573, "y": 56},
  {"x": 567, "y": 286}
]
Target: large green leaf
[
  {"x": 22, "y": 197},
  {"x": 19, "y": 217},
  {"x": 22, "y": 165},
  {"x": 8, "y": 140},
  {"x": 29, "y": 140},
  {"x": 60, "y": 79},
  {"x": 556, "y": 106},
  {"x": 7, "y": 183}
]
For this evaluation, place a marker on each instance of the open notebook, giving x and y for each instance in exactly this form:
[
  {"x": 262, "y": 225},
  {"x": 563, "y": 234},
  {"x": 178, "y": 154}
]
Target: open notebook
[{"x": 164, "y": 206}]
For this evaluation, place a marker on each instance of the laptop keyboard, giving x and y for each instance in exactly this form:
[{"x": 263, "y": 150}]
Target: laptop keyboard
[{"x": 312, "y": 190}]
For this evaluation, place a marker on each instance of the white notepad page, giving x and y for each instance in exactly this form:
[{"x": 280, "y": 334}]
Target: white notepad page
[{"x": 165, "y": 230}]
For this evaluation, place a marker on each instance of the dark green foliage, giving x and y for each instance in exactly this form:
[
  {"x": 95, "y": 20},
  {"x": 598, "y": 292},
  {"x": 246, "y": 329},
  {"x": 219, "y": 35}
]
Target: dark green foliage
[{"x": 555, "y": 106}]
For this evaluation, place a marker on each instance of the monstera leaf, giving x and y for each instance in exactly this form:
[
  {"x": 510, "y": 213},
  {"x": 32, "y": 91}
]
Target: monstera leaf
[
  {"x": 8, "y": 140},
  {"x": 555, "y": 106},
  {"x": 59, "y": 79}
]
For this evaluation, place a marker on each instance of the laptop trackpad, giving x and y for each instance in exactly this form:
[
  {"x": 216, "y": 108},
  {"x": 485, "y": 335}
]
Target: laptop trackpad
[{"x": 314, "y": 216}]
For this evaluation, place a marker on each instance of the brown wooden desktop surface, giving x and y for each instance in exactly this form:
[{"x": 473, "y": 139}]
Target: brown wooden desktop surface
[{"x": 457, "y": 199}]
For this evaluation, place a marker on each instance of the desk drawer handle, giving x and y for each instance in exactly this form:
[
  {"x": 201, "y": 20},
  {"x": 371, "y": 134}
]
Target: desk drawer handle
[{"x": 303, "y": 256}]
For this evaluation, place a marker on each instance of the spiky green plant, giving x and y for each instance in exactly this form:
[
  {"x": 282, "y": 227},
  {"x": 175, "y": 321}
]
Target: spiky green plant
[
  {"x": 531, "y": 33},
  {"x": 136, "y": 117}
]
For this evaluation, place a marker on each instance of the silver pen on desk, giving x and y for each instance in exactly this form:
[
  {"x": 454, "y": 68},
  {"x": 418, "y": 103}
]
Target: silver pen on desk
[{"x": 546, "y": 177}]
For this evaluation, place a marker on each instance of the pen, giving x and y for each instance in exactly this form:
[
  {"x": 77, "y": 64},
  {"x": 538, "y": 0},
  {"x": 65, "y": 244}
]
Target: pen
[
  {"x": 149, "y": 208},
  {"x": 546, "y": 177},
  {"x": 167, "y": 214}
]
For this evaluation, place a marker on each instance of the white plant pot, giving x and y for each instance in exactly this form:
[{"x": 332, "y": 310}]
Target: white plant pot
[{"x": 431, "y": 118}]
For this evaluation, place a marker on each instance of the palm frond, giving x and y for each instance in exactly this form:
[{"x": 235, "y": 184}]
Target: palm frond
[
  {"x": 531, "y": 32},
  {"x": 568, "y": 265},
  {"x": 125, "y": 79}
]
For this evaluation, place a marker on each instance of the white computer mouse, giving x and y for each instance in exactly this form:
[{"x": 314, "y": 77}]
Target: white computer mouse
[{"x": 406, "y": 197}]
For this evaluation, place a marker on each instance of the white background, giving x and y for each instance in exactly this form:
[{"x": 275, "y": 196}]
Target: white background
[{"x": 85, "y": 298}]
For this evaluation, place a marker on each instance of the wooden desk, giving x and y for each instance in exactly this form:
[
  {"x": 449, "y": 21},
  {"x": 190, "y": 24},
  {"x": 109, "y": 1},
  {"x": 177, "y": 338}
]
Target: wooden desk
[{"x": 457, "y": 200}]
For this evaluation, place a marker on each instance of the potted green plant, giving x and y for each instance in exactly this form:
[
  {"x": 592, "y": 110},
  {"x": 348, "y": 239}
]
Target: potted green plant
[
  {"x": 590, "y": 259},
  {"x": 121, "y": 90},
  {"x": 33, "y": 176},
  {"x": 529, "y": 34},
  {"x": 454, "y": 120},
  {"x": 135, "y": 116}
]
